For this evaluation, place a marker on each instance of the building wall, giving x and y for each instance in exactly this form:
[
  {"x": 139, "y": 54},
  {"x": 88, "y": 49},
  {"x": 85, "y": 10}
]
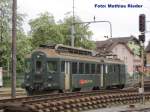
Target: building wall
[
  {"x": 148, "y": 58},
  {"x": 124, "y": 54}
]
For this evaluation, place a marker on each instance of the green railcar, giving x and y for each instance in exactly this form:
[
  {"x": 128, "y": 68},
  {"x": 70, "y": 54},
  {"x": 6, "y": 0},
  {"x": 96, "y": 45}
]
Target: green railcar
[{"x": 64, "y": 68}]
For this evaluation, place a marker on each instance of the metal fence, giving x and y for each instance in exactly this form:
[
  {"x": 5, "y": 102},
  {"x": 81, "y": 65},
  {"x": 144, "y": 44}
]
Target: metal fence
[{"x": 7, "y": 79}]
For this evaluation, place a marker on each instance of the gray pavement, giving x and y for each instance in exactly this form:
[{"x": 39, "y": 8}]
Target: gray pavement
[{"x": 122, "y": 108}]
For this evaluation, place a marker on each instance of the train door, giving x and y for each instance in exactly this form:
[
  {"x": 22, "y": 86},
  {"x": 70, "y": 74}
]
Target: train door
[
  {"x": 105, "y": 75},
  {"x": 67, "y": 75},
  {"x": 39, "y": 67}
]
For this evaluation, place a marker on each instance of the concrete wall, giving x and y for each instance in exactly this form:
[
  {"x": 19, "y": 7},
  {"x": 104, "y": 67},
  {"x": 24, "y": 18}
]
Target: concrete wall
[
  {"x": 148, "y": 58},
  {"x": 124, "y": 54}
]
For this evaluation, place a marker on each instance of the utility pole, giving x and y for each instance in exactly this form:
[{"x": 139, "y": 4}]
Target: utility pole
[
  {"x": 72, "y": 27},
  {"x": 2, "y": 15},
  {"x": 13, "y": 78},
  {"x": 1, "y": 32}
]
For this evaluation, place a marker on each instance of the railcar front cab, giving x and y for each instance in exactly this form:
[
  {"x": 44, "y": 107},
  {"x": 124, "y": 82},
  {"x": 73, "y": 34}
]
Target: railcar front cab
[
  {"x": 41, "y": 73},
  {"x": 34, "y": 72}
]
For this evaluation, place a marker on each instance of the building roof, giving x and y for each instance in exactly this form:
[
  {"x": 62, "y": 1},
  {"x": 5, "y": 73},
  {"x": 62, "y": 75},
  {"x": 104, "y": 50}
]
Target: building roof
[{"x": 109, "y": 44}]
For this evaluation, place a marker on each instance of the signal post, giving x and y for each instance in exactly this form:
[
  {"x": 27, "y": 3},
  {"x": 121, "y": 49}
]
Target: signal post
[{"x": 142, "y": 28}]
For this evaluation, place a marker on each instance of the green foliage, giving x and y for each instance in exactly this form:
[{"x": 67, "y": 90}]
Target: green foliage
[
  {"x": 5, "y": 32},
  {"x": 23, "y": 43},
  {"x": 23, "y": 48},
  {"x": 7, "y": 80},
  {"x": 45, "y": 30},
  {"x": 134, "y": 47}
]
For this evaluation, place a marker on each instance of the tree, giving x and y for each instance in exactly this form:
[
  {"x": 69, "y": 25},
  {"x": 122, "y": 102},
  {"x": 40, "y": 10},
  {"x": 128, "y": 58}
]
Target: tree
[
  {"x": 82, "y": 33},
  {"x": 45, "y": 30},
  {"x": 23, "y": 43},
  {"x": 5, "y": 42}
]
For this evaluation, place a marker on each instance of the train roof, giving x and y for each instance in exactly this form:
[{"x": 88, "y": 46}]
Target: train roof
[{"x": 73, "y": 53}]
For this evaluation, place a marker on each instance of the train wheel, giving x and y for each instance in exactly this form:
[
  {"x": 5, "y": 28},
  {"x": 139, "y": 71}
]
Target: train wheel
[
  {"x": 29, "y": 92},
  {"x": 96, "y": 88},
  {"x": 108, "y": 87},
  {"x": 61, "y": 91},
  {"x": 122, "y": 86},
  {"x": 76, "y": 89}
]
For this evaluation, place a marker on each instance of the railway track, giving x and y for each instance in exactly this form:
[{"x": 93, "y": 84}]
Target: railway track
[
  {"x": 56, "y": 95},
  {"x": 68, "y": 102},
  {"x": 147, "y": 85},
  {"x": 6, "y": 93}
]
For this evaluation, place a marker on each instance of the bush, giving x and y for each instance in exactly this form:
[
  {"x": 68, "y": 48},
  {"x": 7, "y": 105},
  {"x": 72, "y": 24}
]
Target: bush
[{"x": 7, "y": 80}]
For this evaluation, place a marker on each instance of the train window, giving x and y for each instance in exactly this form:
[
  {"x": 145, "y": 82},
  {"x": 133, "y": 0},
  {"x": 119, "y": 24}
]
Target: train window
[
  {"x": 87, "y": 68},
  {"x": 52, "y": 66},
  {"x": 74, "y": 68},
  {"x": 102, "y": 71},
  {"x": 98, "y": 69},
  {"x": 106, "y": 69},
  {"x": 81, "y": 68},
  {"x": 119, "y": 68},
  {"x": 110, "y": 68},
  {"x": 38, "y": 66},
  {"x": 93, "y": 68},
  {"x": 62, "y": 66},
  {"x": 114, "y": 68},
  {"x": 27, "y": 66}
]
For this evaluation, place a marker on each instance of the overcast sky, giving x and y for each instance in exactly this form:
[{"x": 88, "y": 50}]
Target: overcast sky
[{"x": 124, "y": 20}]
